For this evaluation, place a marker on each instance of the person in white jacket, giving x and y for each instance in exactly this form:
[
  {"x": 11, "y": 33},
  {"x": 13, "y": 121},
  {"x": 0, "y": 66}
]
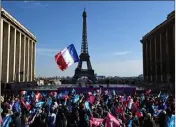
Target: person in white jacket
[{"x": 130, "y": 103}]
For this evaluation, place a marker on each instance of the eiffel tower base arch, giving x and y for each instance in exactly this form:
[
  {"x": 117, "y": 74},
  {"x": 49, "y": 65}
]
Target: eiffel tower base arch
[{"x": 84, "y": 72}]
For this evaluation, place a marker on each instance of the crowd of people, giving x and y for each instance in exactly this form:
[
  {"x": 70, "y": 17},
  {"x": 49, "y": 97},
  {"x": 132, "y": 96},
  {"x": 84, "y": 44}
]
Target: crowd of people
[{"x": 100, "y": 108}]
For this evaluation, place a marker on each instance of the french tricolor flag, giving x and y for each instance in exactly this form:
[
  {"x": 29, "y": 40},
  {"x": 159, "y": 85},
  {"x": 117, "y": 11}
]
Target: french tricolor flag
[{"x": 66, "y": 57}]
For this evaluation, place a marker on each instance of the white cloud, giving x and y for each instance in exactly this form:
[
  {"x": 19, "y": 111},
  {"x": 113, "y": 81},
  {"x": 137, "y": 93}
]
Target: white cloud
[
  {"x": 122, "y": 53},
  {"x": 39, "y": 4},
  {"x": 26, "y": 1},
  {"x": 47, "y": 51},
  {"x": 31, "y": 4}
]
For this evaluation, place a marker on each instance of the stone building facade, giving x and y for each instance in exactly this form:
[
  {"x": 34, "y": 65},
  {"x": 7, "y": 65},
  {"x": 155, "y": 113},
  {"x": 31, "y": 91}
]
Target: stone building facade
[
  {"x": 159, "y": 52},
  {"x": 18, "y": 45}
]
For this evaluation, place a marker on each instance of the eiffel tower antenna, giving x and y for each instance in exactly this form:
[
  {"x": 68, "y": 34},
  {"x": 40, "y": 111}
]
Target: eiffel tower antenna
[
  {"x": 84, "y": 56},
  {"x": 84, "y": 47}
]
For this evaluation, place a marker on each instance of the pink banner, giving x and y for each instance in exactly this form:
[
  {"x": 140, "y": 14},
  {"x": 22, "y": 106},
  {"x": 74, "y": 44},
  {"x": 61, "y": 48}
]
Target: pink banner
[
  {"x": 95, "y": 121},
  {"x": 135, "y": 107},
  {"x": 119, "y": 110},
  {"x": 91, "y": 99},
  {"x": 148, "y": 91},
  {"x": 111, "y": 121},
  {"x": 139, "y": 114}
]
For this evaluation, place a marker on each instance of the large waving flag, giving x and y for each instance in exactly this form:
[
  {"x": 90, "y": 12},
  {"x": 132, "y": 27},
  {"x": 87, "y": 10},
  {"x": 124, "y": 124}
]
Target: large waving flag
[{"x": 66, "y": 57}]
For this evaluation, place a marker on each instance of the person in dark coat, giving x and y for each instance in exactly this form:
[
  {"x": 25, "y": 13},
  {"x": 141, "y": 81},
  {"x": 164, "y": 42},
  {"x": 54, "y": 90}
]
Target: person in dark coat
[
  {"x": 43, "y": 121},
  {"x": 61, "y": 120},
  {"x": 84, "y": 122},
  {"x": 162, "y": 118},
  {"x": 74, "y": 118},
  {"x": 17, "y": 120},
  {"x": 12, "y": 123},
  {"x": 149, "y": 122},
  {"x": 135, "y": 121}
]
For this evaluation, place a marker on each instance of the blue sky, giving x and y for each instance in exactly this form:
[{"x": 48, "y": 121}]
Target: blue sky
[{"x": 114, "y": 32}]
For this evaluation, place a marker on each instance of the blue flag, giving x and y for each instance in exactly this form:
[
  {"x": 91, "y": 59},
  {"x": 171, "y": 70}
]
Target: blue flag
[
  {"x": 59, "y": 95},
  {"x": 69, "y": 106},
  {"x": 87, "y": 106},
  {"x": 66, "y": 92},
  {"x": 113, "y": 92},
  {"x": 94, "y": 93},
  {"x": 73, "y": 91},
  {"x": 156, "y": 112},
  {"x": 106, "y": 102},
  {"x": 170, "y": 121},
  {"x": 76, "y": 99},
  {"x": 129, "y": 123},
  {"x": 44, "y": 94},
  {"x": 39, "y": 104},
  {"x": 106, "y": 92},
  {"x": 16, "y": 107},
  {"x": 6, "y": 121},
  {"x": 164, "y": 97},
  {"x": 49, "y": 101},
  {"x": 32, "y": 94}
]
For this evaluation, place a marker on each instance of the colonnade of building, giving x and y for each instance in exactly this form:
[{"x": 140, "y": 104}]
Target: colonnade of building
[
  {"x": 18, "y": 54},
  {"x": 159, "y": 55}
]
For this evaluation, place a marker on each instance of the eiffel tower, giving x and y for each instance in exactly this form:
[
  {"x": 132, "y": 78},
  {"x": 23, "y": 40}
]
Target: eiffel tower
[{"x": 84, "y": 57}]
